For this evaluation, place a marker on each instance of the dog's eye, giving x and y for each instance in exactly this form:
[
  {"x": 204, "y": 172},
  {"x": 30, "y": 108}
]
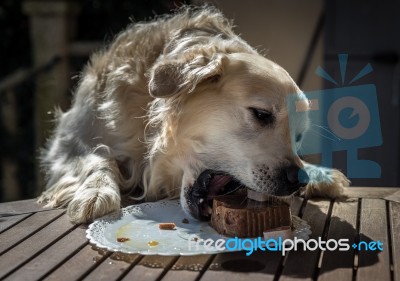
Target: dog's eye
[
  {"x": 265, "y": 117},
  {"x": 299, "y": 137}
]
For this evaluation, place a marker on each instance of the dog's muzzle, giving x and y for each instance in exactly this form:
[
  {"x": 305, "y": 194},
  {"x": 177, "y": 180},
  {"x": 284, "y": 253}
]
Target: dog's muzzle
[{"x": 209, "y": 184}]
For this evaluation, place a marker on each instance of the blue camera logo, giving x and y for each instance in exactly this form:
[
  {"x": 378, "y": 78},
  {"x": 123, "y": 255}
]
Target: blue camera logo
[{"x": 341, "y": 119}]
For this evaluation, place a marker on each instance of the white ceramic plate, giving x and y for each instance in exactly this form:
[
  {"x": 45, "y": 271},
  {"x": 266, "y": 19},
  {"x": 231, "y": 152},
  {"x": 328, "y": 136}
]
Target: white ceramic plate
[{"x": 139, "y": 223}]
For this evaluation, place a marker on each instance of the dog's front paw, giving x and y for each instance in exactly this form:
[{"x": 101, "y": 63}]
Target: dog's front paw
[
  {"x": 98, "y": 196},
  {"x": 325, "y": 182}
]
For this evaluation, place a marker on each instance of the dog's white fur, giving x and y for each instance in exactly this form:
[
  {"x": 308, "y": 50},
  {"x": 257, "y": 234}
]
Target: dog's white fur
[{"x": 165, "y": 101}]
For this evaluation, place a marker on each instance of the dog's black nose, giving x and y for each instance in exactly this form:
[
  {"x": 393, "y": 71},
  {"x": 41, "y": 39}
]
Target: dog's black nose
[
  {"x": 296, "y": 176},
  {"x": 292, "y": 174}
]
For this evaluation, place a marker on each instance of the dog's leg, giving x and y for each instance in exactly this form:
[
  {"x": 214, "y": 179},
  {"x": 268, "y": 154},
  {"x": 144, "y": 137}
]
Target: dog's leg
[
  {"x": 324, "y": 182},
  {"x": 86, "y": 185}
]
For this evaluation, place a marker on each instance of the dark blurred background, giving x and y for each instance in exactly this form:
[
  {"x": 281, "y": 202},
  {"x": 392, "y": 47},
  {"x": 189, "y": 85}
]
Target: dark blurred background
[
  {"x": 45, "y": 43},
  {"x": 44, "y": 46}
]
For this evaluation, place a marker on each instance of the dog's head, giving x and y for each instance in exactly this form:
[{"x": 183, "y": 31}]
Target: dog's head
[{"x": 226, "y": 125}]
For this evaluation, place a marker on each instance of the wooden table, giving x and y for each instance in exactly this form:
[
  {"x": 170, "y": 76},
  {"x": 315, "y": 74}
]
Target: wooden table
[{"x": 43, "y": 245}]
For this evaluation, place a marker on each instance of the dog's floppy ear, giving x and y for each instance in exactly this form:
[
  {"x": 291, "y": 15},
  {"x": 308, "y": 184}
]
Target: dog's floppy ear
[{"x": 172, "y": 77}]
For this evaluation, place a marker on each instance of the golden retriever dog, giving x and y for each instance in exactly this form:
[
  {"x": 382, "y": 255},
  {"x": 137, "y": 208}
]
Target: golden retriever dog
[{"x": 178, "y": 107}]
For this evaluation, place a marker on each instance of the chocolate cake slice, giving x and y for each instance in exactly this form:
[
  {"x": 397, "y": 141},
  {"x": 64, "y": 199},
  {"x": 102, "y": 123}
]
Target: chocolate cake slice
[{"x": 237, "y": 215}]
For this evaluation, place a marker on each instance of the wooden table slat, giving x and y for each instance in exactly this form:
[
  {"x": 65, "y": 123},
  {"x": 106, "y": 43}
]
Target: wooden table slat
[
  {"x": 373, "y": 226},
  {"x": 78, "y": 265},
  {"x": 394, "y": 211},
  {"x": 25, "y": 228},
  {"x": 188, "y": 268},
  {"x": 338, "y": 265},
  {"x": 113, "y": 267},
  {"x": 237, "y": 266},
  {"x": 8, "y": 222},
  {"x": 29, "y": 248},
  {"x": 23, "y": 206},
  {"x": 151, "y": 268},
  {"x": 316, "y": 214},
  {"x": 369, "y": 192},
  {"x": 50, "y": 258}
]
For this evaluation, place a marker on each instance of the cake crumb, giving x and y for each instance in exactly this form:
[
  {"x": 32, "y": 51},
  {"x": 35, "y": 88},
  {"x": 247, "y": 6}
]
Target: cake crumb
[
  {"x": 122, "y": 239},
  {"x": 167, "y": 226}
]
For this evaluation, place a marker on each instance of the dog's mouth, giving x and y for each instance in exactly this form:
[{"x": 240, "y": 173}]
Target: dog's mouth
[{"x": 208, "y": 185}]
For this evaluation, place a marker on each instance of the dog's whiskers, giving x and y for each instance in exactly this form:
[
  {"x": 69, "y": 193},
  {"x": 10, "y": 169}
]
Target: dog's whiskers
[{"x": 334, "y": 138}]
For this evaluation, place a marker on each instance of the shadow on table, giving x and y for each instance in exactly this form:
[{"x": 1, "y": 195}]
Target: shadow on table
[{"x": 302, "y": 264}]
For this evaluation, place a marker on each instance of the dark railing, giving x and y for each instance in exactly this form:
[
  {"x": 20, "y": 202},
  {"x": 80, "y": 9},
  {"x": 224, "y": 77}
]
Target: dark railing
[
  {"x": 17, "y": 130},
  {"x": 19, "y": 173}
]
